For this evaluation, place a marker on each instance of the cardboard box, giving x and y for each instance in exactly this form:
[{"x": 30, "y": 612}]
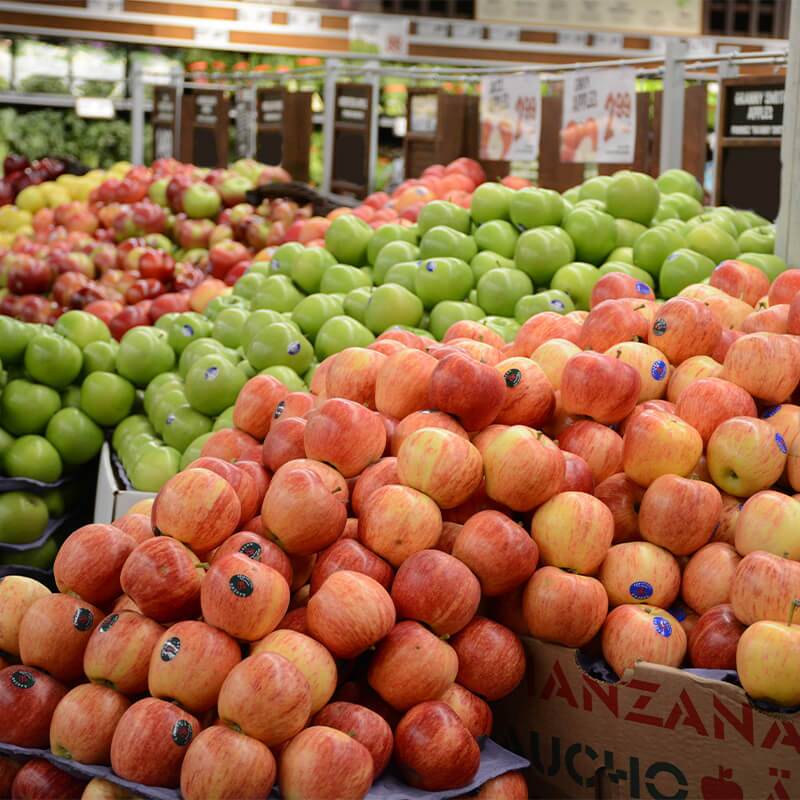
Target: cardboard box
[
  {"x": 112, "y": 499},
  {"x": 659, "y": 733}
]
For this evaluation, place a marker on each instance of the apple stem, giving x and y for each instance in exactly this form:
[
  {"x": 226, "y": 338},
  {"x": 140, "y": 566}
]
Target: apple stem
[
  {"x": 795, "y": 604},
  {"x": 204, "y": 564}
]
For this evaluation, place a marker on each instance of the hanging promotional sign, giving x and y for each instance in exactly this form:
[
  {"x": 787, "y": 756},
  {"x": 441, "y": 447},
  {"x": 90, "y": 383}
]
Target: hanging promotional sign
[
  {"x": 374, "y": 34},
  {"x": 511, "y": 117},
  {"x": 599, "y": 119}
]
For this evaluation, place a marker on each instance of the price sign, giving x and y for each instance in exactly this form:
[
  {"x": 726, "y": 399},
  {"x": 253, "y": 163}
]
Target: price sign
[
  {"x": 210, "y": 36},
  {"x": 105, "y": 6},
  {"x": 95, "y": 107},
  {"x": 466, "y": 30},
  {"x": 304, "y": 20},
  {"x": 599, "y": 119},
  {"x": 432, "y": 30},
  {"x": 511, "y": 118},
  {"x": 253, "y": 12},
  {"x": 503, "y": 33}
]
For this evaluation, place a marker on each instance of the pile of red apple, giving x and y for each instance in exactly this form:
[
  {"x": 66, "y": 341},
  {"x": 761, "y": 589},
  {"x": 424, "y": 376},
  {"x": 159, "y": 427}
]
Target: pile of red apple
[{"x": 19, "y": 173}]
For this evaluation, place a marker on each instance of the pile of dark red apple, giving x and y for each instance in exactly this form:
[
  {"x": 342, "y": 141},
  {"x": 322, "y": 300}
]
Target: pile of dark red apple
[{"x": 343, "y": 578}]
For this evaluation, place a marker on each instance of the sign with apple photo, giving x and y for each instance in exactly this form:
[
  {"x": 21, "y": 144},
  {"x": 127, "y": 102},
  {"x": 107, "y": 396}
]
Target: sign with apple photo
[
  {"x": 599, "y": 121},
  {"x": 511, "y": 118}
]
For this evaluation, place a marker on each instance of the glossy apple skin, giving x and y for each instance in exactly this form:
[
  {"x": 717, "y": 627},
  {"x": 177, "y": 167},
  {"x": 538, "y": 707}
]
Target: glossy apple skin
[
  {"x": 351, "y": 555},
  {"x": 245, "y": 483},
  {"x": 708, "y": 576},
  {"x": 714, "y": 639},
  {"x": 509, "y": 786},
  {"x": 563, "y": 607},
  {"x": 474, "y": 712},
  {"x": 597, "y": 444},
  {"x": 611, "y": 322},
  {"x": 767, "y": 365},
  {"x": 284, "y": 442},
  {"x": 530, "y": 399},
  {"x": 41, "y": 779},
  {"x": 223, "y": 763},
  {"x": 353, "y": 374},
  {"x": 150, "y": 742},
  {"x": 695, "y": 368},
  {"x": 17, "y": 595},
  {"x": 598, "y": 386},
  {"x": 379, "y": 474},
  {"x": 741, "y": 280},
  {"x": 256, "y": 547},
  {"x": 708, "y": 402},
  {"x": 640, "y": 572},
  {"x": 28, "y": 698},
  {"x": 764, "y": 587},
  {"x": 769, "y": 521},
  {"x": 424, "y": 419},
  {"x": 623, "y": 498},
  {"x": 683, "y": 328},
  {"x": 402, "y": 383},
  {"x": 434, "y": 749},
  {"x": 541, "y": 327}
]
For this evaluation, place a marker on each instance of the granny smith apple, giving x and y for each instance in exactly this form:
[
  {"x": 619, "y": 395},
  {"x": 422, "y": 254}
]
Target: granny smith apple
[
  {"x": 355, "y": 303},
  {"x": 308, "y": 267},
  {"x": 490, "y": 201},
  {"x": 739, "y": 221},
  {"x": 770, "y": 265},
  {"x": 678, "y": 180},
  {"x": 720, "y": 220},
  {"x": 257, "y": 320},
  {"x": 275, "y": 344},
  {"x": 81, "y": 328},
  {"x": 507, "y": 327},
  {"x": 532, "y": 208},
  {"x": 628, "y": 231},
  {"x": 542, "y": 251},
  {"x": 225, "y": 419},
  {"x": 621, "y": 254},
  {"x": 284, "y": 257},
  {"x": 403, "y": 274},
  {"x": 6, "y": 440},
  {"x": 14, "y": 338},
  {"x": 228, "y": 326},
  {"x": 213, "y": 384},
  {"x": 143, "y": 354},
  {"x": 441, "y": 212},
  {"x": 391, "y": 254},
  {"x": 107, "y": 398},
  {"x": 571, "y": 195},
  {"x": 183, "y": 426},
  {"x": 130, "y": 426},
  {"x": 629, "y": 269},
  {"x": 76, "y": 437},
  {"x": 41, "y": 557},
  {"x": 497, "y": 235},
  {"x": 392, "y": 304},
  {"x": 100, "y": 356},
  {"x": 577, "y": 280},
  {"x": 442, "y": 241},
  {"x": 651, "y": 249},
  {"x": 56, "y": 501},
  {"x": 347, "y": 239},
  {"x": 287, "y": 376},
  {"x": 154, "y": 467},
  {"x": 338, "y": 333},
  {"x": 758, "y": 240},
  {"x": 753, "y": 220},
  {"x": 250, "y": 284},
  {"x": 166, "y": 401},
  {"x": 53, "y": 360},
  {"x": 589, "y": 202},
  {"x": 444, "y": 314},
  {"x": 386, "y": 234},
  {"x": 223, "y": 301},
  {"x": 164, "y": 322},
  {"x": 27, "y": 407},
  {"x": 682, "y": 268},
  {"x": 440, "y": 279},
  {"x": 23, "y": 517},
  {"x": 193, "y": 451},
  {"x": 593, "y": 232},
  {"x": 632, "y": 195},
  {"x": 678, "y": 225},
  {"x": 342, "y": 278},
  {"x": 187, "y": 328},
  {"x": 665, "y": 212},
  {"x": 247, "y": 368},
  {"x": 312, "y": 311},
  {"x": 201, "y": 200},
  {"x": 553, "y": 300},
  {"x": 33, "y": 457},
  {"x": 684, "y": 205},
  {"x": 487, "y": 260},
  {"x": 500, "y": 289},
  {"x": 278, "y": 294},
  {"x": 594, "y": 188},
  {"x": 713, "y": 242},
  {"x": 71, "y": 397}
]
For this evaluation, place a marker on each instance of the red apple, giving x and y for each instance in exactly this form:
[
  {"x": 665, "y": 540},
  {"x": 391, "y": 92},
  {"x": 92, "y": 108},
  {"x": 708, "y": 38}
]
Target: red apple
[
  {"x": 541, "y": 327},
  {"x": 230, "y": 444},
  {"x": 764, "y": 587},
  {"x": 403, "y": 381},
  {"x": 597, "y": 444},
  {"x": 255, "y": 406},
  {"x": 741, "y": 280},
  {"x": 284, "y": 442},
  {"x": 258, "y": 548},
  {"x": 348, "y": 554},
  {"x": 137, "y": 526},
  {"x": 714, "y": 639},
  {"x": 474, "y": 712},
  {"x": 8, "y": 771},
  {"x": 241, "y": 481},
  {"x": 28, "y": 699},
  {"x": 510, "y": 785},
  {"x": 424, "y": 419},
  {"x": 375, "y": 476},
  {"x": 623, "y": 497},
  {"x": 599, "y": 386},
  {"x": 640, "y": 572},
  {"x": 693, "y": 369},
  {"x": 529, "y": 396},
  {"x": 616, "y": 285},
  {"x": 17, "y": 595},
  {"x": 40, "y": 780},
  {"x": 708, "y": 402},
  {"x": 769, "y": 521},
  {"x": 684, "y": 327},
  {"x": 611, "y": 322},
  {"x": 353, "y": 373},
  {"x": 767, "y": 365}
]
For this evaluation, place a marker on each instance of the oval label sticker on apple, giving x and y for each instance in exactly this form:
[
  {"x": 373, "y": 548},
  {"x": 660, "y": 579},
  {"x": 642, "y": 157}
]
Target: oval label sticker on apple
[
  {"x": 241, "y": 585},
  {"x": 22, "y": 679},
  {"x": 640, "y": 590},
  {"x": 82, "y": 619},
  {"x": 182, "y": 732},
  {"x": 170, "y": 648},
  {"x": 108, "y": 623},
  {"x": 251, "y": 550},
  {"x": 662, "y": 626}
]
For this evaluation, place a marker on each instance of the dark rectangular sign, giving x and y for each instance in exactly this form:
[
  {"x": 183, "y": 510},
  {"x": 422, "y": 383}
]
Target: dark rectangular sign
[{"x": 754, "y": 111}]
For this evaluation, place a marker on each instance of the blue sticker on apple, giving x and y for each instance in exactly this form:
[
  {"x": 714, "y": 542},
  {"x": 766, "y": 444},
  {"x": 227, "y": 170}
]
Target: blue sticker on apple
[
  {"x": 662, "y": 626},
  {"x": 660, "y": 326},
  {"x": 781, "y": 442},
  {"x": 642, "y": 288},
  {"x": 430, "y": 266},
  {"x": 170, "y": 419},
  {"x": 293, "y": 349},
  {"x": 275, "y": 264},
  {"x": 658, "y": 370},
  {"x": 679, "y": 612},
  {"x": 187, "y": 330},
  {"x": 640, "y": 590},
  {"x": 211, "y": 373},
  {"x": 559, "y": 304},
  {"x": 770, "y": 412}
]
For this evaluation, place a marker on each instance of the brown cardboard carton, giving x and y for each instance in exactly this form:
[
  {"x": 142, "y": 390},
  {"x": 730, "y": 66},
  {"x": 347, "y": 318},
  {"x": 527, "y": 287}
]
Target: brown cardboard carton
[{"x": 660, "y": 733}]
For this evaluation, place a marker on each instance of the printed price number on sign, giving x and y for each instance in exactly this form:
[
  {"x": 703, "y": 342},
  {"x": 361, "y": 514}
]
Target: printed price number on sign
[
  {"x": 618, "y": 106},
  {"x": 526, "y": 108}
]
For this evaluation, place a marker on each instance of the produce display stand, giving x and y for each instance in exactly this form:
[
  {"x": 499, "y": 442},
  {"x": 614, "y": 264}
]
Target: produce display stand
[
  {"x": 204, "y": 125},
  {"x": 352, "y": 159},
  {"x": 114, "y": 493},
  {"x": 283, "y": 129}
]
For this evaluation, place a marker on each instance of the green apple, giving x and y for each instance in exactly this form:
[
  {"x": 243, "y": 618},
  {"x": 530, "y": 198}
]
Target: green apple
[
  {"x": 23, "y": 517},
  {"x": 758, "y": 240},
  {"x": 678, "y": 225},
  {"x": 440, "y": 279},
  {"x": 684, "y": 205},
  {"x": 593, "y": 232},
  {"x": 355, "y": 304},
  {"x": 652, "y": 248},
  {"x": 222, "y": 302},
  {"x": 498, "y": 236},
  {"x": 284, "y": 257},
  {"x": 542, "y": 251},
  {"x": 338, "y": 333},
  {"x": 71, "y": 397},
  {"x": 158, "y": 386},
  {"x": 128, "y": 428},
  {"x": 164, "y": 322},
  {"x": 553, "y": 300},
  {"x": 107, "y": 398},
  {"x": 342, "y": 278},
  {"x": 308, "y": 267},
  {"x": 441, "y": 212},
  {"x": 682, "y": 268},
  {"x": 33, "y": 457},
  {"x": 722, "y": 221},
  {"x": 143, "y": 354},
  {"x": 490, "y": 201},
  {"x": 391, "y": 254},
  {"x": 444, "y": 314},
  {"x": 632, "y": 195},
  {"x": 577, "y": 280},
  {"x": 392, "y": 304},
  {"x": 213, "y": 384},
  {"x": 507, "y": 327},
  {"x": 14, "y": 338},
  {"x": 312, "y": 311},
  {"x": 187, "y": 328},
  {"x": 287, "y": 376},
  {"x": 100, "y": 356},
  {"x": 228, "y": 326},
  {"x": 81, "y": 328},
  {"x": 164, "y": 404},
  {"x": 447, "y": 243},
  {"x": 193, "y": 451},
  {"x": 387, "y": 234},
  {"x": 571, "y": 195},
  {"x": 76, "y": 437},
  {"x": 257, "y": 320},
  {"x": 500, "y": 289},
  {"x": 628, "y": 232},
  {"x": 247, "y": 368},
  {"x": 752, "y": 219},
  {"x": 678, "y": 180},
  {"x": 201, "y": 200},
  {"x": 628, "y": 269},
  {"x": 56, "y": 501},
  {"x": 6, "y": 440},
  {"x": 739, "y": 222},
  {"x": 27, "y": 407},
  {"x": 595, "y": 188},
  {"x": 41, "y": 557},
  {"x": 183, "y": 426},
  {"x": 621, "y": 254},
  {"x": 487, "y": 260},
  {"x": 53, "y": 360},
  {"x": 279, "y": 343},
  {"x": 250, "y": 284},
  {"x": 713, "y": 242},
  {"x": 225, "y": 419},
  {"x": 154, "y": 467},
  {"x": 404, "y": 274},
  {"x": 278, "y": 294},
  {"x": 664, "y": 212},
  {"x": 532, "y": 208},
  {"x": 770, "y": 265},
  {"x": 347, "y": 239}
]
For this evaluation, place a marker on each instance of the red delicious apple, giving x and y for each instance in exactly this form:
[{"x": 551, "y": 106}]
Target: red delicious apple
[
  {"x": 714, "y": 639},
  {"x": 424, "y": 419},
  {"x": 599, "y": 386},
  {"x": 41, "y": 780},
  {"x": 258, "y": 548},
  {"x": 150, "y": 742},
  {"x": 349, "y": 554},
  {"x": 764, "y": 587},
  {"x": 28, "y": 699},
  {"x": 255, "y": 406},
  {"x": 17, "y": 595},
  {"x": 684, "y": 327},
  {"x": 403, "y": 381},
  {"x": 266, "y": 697},
  {"x": 640, "y": 572}
]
